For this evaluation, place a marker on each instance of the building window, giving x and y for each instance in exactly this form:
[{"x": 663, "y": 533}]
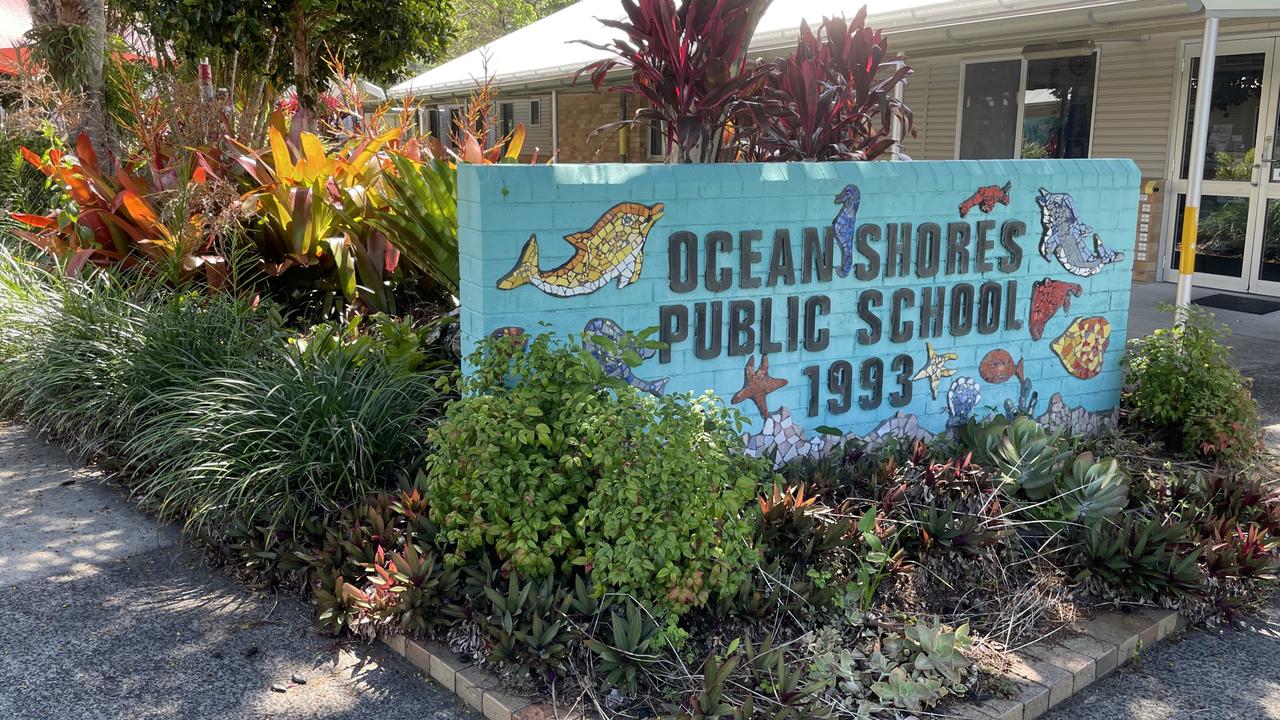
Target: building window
[
  {"x": 1028, "y": 108},
  {"x": 535, "y": 112},
  {"x": 1057, "y": 115},
  {"x": 433, "y": 121},
  {"x": 989, "y": 110},
  {"x": 657, "y": 146},
  {"x": 455, "y": 124},
  {"x": 507, "y": 114}
]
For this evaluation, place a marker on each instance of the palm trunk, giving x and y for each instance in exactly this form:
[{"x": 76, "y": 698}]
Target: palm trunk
[
  {"x": 304, "y": 84},
  {"x": 82, "y": 70}
]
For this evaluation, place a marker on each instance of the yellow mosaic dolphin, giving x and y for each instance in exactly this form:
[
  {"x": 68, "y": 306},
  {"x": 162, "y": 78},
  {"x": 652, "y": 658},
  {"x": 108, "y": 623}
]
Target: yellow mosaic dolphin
[{"x": 612, "y": 248}]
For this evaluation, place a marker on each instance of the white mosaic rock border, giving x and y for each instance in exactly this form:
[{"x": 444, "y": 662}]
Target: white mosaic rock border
[{"x": 788, "y": 441}]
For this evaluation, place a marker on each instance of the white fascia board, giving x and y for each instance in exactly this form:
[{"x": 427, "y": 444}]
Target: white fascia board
[{"x": 1237, "y": 8}]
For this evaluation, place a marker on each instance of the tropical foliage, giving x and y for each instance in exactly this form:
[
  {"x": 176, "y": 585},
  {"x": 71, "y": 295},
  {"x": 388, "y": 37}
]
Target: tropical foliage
[
  {"x": 831, "y": 99},
  {"x": 689, "y": 63},
  {"x": 112, "y": 219}
]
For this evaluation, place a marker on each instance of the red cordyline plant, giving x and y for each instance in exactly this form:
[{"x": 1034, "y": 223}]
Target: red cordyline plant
[
  {"x": 831, "y": 99},
  {"x": 689, "y": 63}
]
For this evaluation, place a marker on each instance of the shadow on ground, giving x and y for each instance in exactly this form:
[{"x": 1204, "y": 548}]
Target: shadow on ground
[
  {"x": 106, "y": 617},
  {"x": 160, "y": 635}
]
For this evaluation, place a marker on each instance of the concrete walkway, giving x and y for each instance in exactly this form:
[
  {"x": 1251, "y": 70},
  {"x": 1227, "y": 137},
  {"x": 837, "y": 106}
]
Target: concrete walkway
[
  {"x": 106, "y": 616},
  {"x": 1206, "y": 674}
]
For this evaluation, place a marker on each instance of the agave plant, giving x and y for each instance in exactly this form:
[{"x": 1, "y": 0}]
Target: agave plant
[
  {"x": 689, "y": 63},
  {"x": 1094, "y": 489},
  {"x": 1024, "y": 455},
  {"x": 831, "y": 99}
]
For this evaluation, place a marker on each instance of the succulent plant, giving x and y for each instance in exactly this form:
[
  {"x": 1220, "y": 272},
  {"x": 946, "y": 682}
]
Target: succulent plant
[
  {"x": 901, "y": 690},
  {"x": 1094, "y": 489},
  {"x": 939, "y": 650},
  {"x": 1025, "y": 457}
]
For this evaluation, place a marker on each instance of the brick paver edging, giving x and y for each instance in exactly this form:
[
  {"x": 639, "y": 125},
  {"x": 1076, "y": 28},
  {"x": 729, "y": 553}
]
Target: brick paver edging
[{"x": 1046, "y": 673}]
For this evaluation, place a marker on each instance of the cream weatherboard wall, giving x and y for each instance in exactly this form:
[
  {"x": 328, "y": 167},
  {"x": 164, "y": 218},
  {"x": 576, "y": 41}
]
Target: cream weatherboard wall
[
  {"x": 933, "y": 94},
  {"x": 1134, "y": 101},
  {"x": 1134, "y": 96}
]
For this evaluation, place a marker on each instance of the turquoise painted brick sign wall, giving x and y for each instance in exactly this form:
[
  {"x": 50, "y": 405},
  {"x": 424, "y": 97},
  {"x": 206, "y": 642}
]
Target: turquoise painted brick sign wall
[{"x": 876, "y": 298}]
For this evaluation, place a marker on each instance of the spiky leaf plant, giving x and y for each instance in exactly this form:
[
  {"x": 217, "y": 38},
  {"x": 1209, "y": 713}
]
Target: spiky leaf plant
[{"x": 1093, "y": 490}]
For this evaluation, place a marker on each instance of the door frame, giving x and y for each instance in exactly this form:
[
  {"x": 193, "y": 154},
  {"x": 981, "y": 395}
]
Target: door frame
[{"x": 1257, "y": 190}]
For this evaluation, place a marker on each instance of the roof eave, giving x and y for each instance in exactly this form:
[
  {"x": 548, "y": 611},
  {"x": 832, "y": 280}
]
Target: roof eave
[{"x": 920, "y": 30}]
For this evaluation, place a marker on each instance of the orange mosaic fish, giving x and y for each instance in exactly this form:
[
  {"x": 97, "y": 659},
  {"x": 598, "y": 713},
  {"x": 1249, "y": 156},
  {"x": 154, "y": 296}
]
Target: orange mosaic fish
[
  {"x": 613, "y": 249},
  {"x": 1082, "y": 346},
  {"x": 1047, "y": 297},
  {"x": 998, "y": 366}
]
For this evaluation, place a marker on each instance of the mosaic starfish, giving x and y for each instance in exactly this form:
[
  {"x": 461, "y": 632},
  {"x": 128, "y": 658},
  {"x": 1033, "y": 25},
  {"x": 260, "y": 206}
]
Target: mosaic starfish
[
  {"x": 935, "y": 369},
  {"x": 756, "y": 384}
]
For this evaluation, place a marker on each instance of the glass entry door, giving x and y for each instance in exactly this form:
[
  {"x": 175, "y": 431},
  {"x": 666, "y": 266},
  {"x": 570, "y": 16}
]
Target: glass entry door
[{"x": 1238, "y": 245}]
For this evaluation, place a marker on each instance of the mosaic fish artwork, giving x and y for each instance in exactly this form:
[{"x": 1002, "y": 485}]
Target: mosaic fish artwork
[
  {"x": 845, "y": 225},
  {"x": 1082, "y": 345},
  {"x": 935, "y": 368},
  {"x": 1071, "y": 241},
  {"x": 1047, "y": 297},
  {"x": 986, "y": 198},
  {"x": 962, "y": 399},
  {"x": 611, "y": 360},
  {"x": 511, "y": 333},
  {"x": 613, "y": 249},
  {"x": 757, "y": 384},
  {"x": 998, "y": 366}
]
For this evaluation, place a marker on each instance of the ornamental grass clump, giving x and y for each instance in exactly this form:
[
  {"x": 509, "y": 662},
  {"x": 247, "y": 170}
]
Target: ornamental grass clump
[
  {"x": 64, "y": 344},
  {"x": 551, "y": 465},
  {"x": 87, "y": 358},
  {"x": 304, "y": 434}
]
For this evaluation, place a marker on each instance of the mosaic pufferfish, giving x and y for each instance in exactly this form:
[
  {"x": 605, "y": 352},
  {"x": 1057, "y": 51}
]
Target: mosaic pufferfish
[{"x": 612, "y": 249}]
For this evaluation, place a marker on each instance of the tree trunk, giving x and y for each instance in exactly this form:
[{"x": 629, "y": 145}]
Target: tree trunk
[
  {"x": 71, "y": 37},
  {"x": 304, "y": 84}
]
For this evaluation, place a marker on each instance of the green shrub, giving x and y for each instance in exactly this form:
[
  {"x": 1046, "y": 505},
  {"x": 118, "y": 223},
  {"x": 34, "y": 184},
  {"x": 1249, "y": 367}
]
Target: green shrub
[
  {"x": 23, "y": 188},
  {"x": 1181, "y": 382},
  {"x": 552, "y": 465}
]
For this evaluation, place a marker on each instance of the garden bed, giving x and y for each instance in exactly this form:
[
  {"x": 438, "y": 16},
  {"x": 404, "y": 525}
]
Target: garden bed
[
  {"x": 893, "y": 579},
  {"x": 1034, "y": 680},
  {"x": 255, "y": 338}
]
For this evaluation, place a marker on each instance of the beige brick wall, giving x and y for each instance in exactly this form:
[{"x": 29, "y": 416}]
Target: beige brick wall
[{"x": 582, "y": 112}]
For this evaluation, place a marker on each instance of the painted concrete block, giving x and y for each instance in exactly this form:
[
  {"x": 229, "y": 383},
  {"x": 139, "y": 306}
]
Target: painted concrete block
[
  {"x": 1104, "y": 654},
  {"x": 823, "y": 268},
  {"x": 1081, "y": 668}
]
